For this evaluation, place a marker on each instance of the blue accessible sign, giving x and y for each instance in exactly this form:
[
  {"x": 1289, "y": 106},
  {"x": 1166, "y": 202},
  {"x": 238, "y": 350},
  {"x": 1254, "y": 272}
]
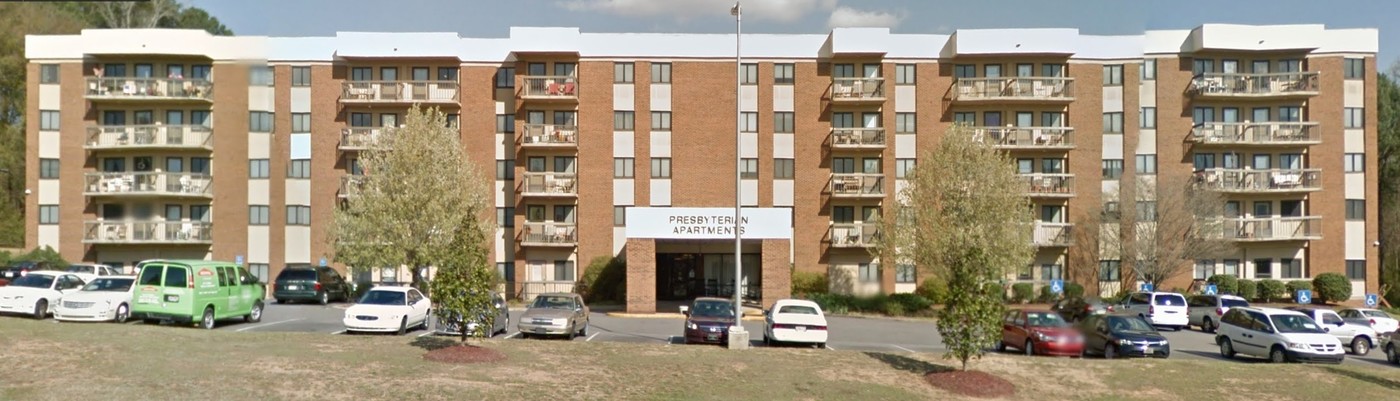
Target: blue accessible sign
[
  {"x": 1211, "y": 289},
  {"x": 1304, "y": 296},
  {"x": 1057, "y": 286},
  {"x": 238, "y": 260},
  {"x": 1372, "y": 300},
  {"x": 1146, "y": 287}
]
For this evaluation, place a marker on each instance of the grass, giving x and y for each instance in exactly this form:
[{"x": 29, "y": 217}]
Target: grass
[{"x": 50, "y": 361}]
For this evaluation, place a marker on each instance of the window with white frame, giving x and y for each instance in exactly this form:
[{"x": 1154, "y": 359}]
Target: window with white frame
[
  {"x": 902, "y": 167},
  {"x": 301, "y": 76},
  {"x": 258, "y": 168},
  {"x": 48, "y": 73},
  {"x": 1113, "y": 123},
  {"x": 1356, "y": 270},
  {"x": 619, "y": 216},
  {"x": 299, "y": 168},
  {"x": 298, "y": 215},
  {"x": 905, "y": 123},
  {"x": 1148, "y": 118},
  {"x": 1146, "y": 164},
  {"x": 48, "y": 168},
  {"x": 905, "y": 273},
  {"x": 623, "y": 120},
  {"x": 624, "y": 167},
  {"x": 301, "y": 122},
  {"x": 660, "y": 121},
  {"x": 782, "y": 122},
  {"x": 1113, "y": 75},
  {"x": 259, "y": 270},
  {"x": 1112, "y": 169},
  {"x": 563, "y": 270},
  {"x": 748, "y": 122},
  {"x": 48, "y": 214},
  {"x": 258, "y": 215},
  {"x": 1353, "y": 117},
  {"x": 259, "y": 121},
  {"x": 661, "y": 73},
  {"x": 869, "y": 272},
  {"x": 1110, "y": 270},
  {"x": 1204, "y": 269},
  {"x": 1148, "y": 70},
  {"x": 1354, "y": 162},
  {"x": 748, "y": 168},
  {"x": 904, "y": 74},
  {"x": 661, "y": 167},
  {"x": 623, "y": 72},
  {"x": 748, "y": 74},
  {"x": 783, "y": 74},
  {"x": 1356, "y": 209},
  {"x": 783, "y": 169},
  {"x": 1354, "y": 68},
  {"x": 48, "y": 120}
]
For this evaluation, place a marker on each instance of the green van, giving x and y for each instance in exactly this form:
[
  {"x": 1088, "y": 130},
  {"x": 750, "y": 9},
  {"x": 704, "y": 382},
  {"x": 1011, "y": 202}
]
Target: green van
[{"x": 200, "y": 291}]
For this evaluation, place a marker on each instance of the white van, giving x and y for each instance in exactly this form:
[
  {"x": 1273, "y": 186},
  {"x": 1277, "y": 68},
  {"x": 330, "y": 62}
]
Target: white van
[
  {"x": 1162, "y": 309},
  {"x": 1278, "y": 334}
]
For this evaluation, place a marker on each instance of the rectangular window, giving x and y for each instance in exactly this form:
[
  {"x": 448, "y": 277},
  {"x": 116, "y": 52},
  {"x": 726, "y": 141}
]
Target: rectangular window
[
  {"x": 48, "y": 73},
  {"x": 447, "y": 74},
  {"x": 905, "y": 123},
  {"x": 48, "y": 120},
  {"x": 1353, "y": 117},
  {"x": 1149, "y": 70},
  {"x": 904, "y": 74},
  {"x": 1356, "y": 210},
  {"x": 1112, "y": 169},
  {"x": 505, "y": 216},
  {"x": 1146, "y": 164},
  {"x": 661, "y": 73},
  {"x": 1354, "y": 162},
  {"x": 1356, "y": 270},
  {"x": 299, "y": 168},
  {"x": 1148, "y": 118},
  {"x": 48, "y": 214},
  {"x": 257, "y": 215},
  {"x": 505, "y": 77},
  {"x": 1263, "y": 268},
  {"x": 1113, "y": 75},
  {"x": 748, "y": 168},
  {"x": 258, "y": 168},
  {"x": 301, "y": 76},
  {"x": 965, "y": 71},
  {"x": 623, "y": 72},
  {"x": 505, "y": 169},
  {"x": 1147, "y": 211},
  {"x": 905, "y": 274},
  {"x": 1292, "y": 268},
  {"x": 259, "y": 121},
  {"x": 660, "y": 121},
  {"x": 1113, "y": 123},
  {"x": 869, "y": 272},
  {"x": 748, "y": 122},
  {"x": 661, "y": 167},
  {"x": 624, "y": 167},
  {"x": 782, "y": 74},
  {"x": 1204, "y": 269},
  {"x": 563, "y": 270},
  {"x": 1231, "y": 267},
  {"x": 783, "y": 169},
  {"x": 505, "y": 123},
  {"x": 902, "y": 167},
  {"x": 301, "y": 123},
  {"x": 1110, "y": 270},
  {"x": 1355, "y": 68},
  {"x": 748, "y": 74},
  {"x": 782, "y": 122},
  {"x": 1111, "y": 213},
  {"x": 619, "y": 216},
  {"x": 48, "y": 168},
  {"x": 259, "y": 270},
  {"x": 623, "y": 120},
  {"x": 259, "y": 76},
  {"x": 298, "y": 215}
]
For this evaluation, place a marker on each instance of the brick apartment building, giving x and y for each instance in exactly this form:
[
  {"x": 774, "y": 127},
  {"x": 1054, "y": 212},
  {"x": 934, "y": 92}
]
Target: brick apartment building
[{"x": 178, "y": 144}]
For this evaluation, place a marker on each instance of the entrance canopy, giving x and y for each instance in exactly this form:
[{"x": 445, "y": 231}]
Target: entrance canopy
[{"x": 707, "y": 223}]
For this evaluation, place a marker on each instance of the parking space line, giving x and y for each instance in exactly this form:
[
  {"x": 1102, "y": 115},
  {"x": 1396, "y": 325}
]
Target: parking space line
[
  {"x": 426, "y": 334},
  {"x": 338, "y": 332},
  {"x": 828, "y": 346},
  {"x": 512, "y": 335},
  {"x": 906, "y": 349},
  {"x": 268, "y": 324},
  {"x": 590, "y": 338}
]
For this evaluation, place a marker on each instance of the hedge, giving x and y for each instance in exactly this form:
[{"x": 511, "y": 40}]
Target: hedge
[
  {"x": 1296, "y": 285},
  {"x": 892, "y": 305},
  {"x": 1022, "y": 292},
  {"x": 934, "y": 289},
  {"x": 808, "y": 283},
  {"x": 1074, "y": 290},
  {"x": 605, "y": 279},
  {"x": 1331, "y": 287},
  {"x": 1247, "y": 289},
  {"x": 1224, "y": 283},
  {"x": 1270, "y": 289}
]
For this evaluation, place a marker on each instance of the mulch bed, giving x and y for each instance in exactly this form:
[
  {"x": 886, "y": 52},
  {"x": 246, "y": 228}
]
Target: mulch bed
[
  {"x": 464, "y": 354},
  {"x": 971, "y": 383}
]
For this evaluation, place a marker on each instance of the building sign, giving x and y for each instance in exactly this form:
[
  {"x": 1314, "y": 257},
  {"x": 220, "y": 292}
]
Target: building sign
[{"x": 707, "y": 223}]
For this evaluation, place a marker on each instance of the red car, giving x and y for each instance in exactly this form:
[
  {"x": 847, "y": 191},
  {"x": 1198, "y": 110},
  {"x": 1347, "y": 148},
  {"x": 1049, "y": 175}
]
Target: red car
[{"x": 1040, "y": 332}]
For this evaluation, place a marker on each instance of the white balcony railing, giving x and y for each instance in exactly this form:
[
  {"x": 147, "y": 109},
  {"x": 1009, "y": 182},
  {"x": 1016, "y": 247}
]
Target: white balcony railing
[
  {"x": 858, "y": 138},
  {"x": 146, "y": 232},
  {"x": 399, "y": 91},
  {"x": 349, "y": 186},
  {"x": 549, "y": 184},
  {"x": 1051, "y": 234},
  {"x": 1258, "y": 181},
  {"x": 149, "y": 137},
  {"x": 549, "y": 234},
  {"x": 361, "y": 138},
  {"x": 549, "y": 135},
  {"x": 550, "y": 87},
  {"x": 1255, "y": 85},
  {"x": 857, "y": 185},
  {"x": 1014, "y": 88},
  {"x": 1261, "y": 133},
  {"x": 147, "y": 184},
  {"x": 149, "y": 88},
  {"x": 851, "y": 235},
  {"x": 857, "y": 89},
  {"x": 1049, "y": 185},
  {"x": 1271, "y": 229},
  {"x": 1026, "y": 137}
]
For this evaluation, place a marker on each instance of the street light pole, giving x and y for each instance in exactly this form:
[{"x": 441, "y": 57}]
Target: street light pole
[{"x": 738, "y": 12}]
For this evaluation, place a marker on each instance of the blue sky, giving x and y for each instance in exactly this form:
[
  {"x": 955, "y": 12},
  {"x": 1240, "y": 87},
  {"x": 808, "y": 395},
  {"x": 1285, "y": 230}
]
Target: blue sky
[{"x": 493, "y": 18}]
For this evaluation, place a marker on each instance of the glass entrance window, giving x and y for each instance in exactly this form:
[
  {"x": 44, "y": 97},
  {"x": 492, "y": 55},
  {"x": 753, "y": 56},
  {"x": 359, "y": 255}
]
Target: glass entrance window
[
  {"x": 1260, "y": 67},
  {"x": 1025, "y": 70},
  {"x": 388, "y": 74},
  {"x": 174, "y": 117},
  {"x": 145, "y": 71},
  {"x": 174, "y": 213},
  {"x": 1230, "y": 115},
  {"x": 1230, "y": 161},
  {"x": 1229, "y": 66},
  {"x": 1025, "y": 119},
  {"x": 991, "y": 70},
  {"x": 420, "y": 73}
]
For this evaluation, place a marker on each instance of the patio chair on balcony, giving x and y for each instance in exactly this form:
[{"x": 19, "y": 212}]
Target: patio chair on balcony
[
  {"x": 186, "y": 230},
  {"x": 186, "y": 184},
  {"x": 569, "y": 88},
  {"x": 357, "y": 92}
]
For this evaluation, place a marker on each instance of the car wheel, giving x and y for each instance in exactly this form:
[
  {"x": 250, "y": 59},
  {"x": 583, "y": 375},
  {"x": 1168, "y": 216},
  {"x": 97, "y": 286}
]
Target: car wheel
[
  {"x": 1277, "y": 355},
  {"x": 324, "y": 298},
  {"x": 41, "y": 309},
  {"x": 207, "y": 322},
  {"x": 1029, "y": 348},
  {"x": 155, "y": 322},
  {"x": 1391, "y": 355},
  {"x": 524, "y": 335},
  {"x": 254, "y": 315},
  {"x": 403, "y": 326},
  {"x": 767, "y": 342},
  {"x": 1208, "y": 326},
  {"x": 281, "y": 301},
  {"x": 1227, "y": 349},
  {"x": 1360, "y": 346},
  {"x": 123, "y": 312},
  {"x": 1110, "y": 352}
]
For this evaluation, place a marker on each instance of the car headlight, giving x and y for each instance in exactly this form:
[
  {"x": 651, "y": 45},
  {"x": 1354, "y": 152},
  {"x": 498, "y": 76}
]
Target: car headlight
[
  {"x": 1299, "y": 346},
  {"x": 1041, "y": 336},
  {"x": 560, "y": 321},
  {"x": 1125, "y": 342},
  {"x": 691, "y": 326}
]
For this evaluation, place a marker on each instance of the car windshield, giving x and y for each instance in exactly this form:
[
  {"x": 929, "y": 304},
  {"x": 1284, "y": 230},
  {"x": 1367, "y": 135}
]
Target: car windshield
[
  {"x": 1295, "y": 324},
  {"x": 34, "y": 281},
  {"x": 81, "y": 269},
  {"x": 1042, "y": 319},
  {"x": 384, "y": 298},
  {"x": 109, "y": 284},
  {"x": 553, "y": 302},
  {"x": 1129, "y": 323},
  {"x": 297, "y": 274},
  {"x": 719, "y": 309},
  {"x": 1376, "y": 313},
  {"x": 1170, "y": 300},
  {"x": 798, "y": 310},
  {"x": 1233, "y": 303}
]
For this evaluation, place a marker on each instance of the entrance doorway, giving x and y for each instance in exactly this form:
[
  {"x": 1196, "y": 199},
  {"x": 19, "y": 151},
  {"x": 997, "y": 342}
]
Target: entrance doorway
[
  {"x": 678, "y": 276},
  {"x": 684, "y": 276}
]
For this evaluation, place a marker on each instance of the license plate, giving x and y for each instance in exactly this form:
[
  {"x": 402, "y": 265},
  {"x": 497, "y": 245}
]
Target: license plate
[
  {"x": 540, "y": 330},
  {"x": 801, "y": 328},
  {"x": 9, "y": 274},
  {"x": 712, "y": 337},
  {"x": 293, "y": 287}
]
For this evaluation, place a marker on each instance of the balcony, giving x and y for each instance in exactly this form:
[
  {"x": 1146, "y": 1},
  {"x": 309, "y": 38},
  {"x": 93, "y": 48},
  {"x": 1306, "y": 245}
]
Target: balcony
[
  {"x": 551, "y": 87},
  {"x": 1257, "y": 134},
  {"x": 857, "y": 185},
  {"x": 549, "y": 234},
  {"x": 149, "y": 137},
  {"x": 1004, "y": 89},
  {"x": 849, "y": 235},
  {"x": 1049, "y": 185},
  {"x": 362, "y": 138},
  {"x": 549, "y": 185},
  {"x": 371, "y": 92},
  {"x": 549, "y": 136},
  {"x": 857, "y": 90},
  {"x": 1051, "y": 234},
  {"x": 1236, "y": 85},
  {"x": 349, "y": 186},
  {"x": 147, "y": 232},
  {"x": 129, "y": 184},
  {"x": 1026, "y": 138},
  {"x": 858, "y": 138},
  {"x": 166, "y": 89},
  {"x": 1249, "y": 181},
  {"x": 1272, "y": 229}
]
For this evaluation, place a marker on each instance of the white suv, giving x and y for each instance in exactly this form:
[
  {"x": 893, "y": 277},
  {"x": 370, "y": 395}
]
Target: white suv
[
  {"x": 1278, "y": 334},
  {"x": 1162, "y": 309}
]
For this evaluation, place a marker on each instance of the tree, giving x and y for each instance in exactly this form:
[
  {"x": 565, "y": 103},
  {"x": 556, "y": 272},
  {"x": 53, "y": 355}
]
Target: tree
[
  {"x": 963, "y": 216},
  {"x": 1388, "y": 147},
  {"x": 421, "y": 203}
]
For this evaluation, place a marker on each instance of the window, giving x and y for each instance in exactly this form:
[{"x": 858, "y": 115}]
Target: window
[
  {"x": 660, "y": 121},
  {"x": 199, "y": 165},
  {"x": 299, "y": 168},
  {"x": 258, "y": 168},
  {"x": 905, "y": 273},
  {"x": 661, "y": 73},
  {"x": 1113, "y": 75},
  {"x": 1113, "y": 123},
  {"x": 48, "y": 73},
  {"x": 257, "y": 76},
  {"x": 257, "y": 215},
  {"x": 843, "y": 214},
  {"x": 505, "y": 216},
  {"x": 447, "y": 73},
  {"x": 905, "y": 123},
  {"x": 782, "y": 122},
  {"x": 748, "y": 168},
  {"x": 783, "y": 169},
  {"x": 623, "y": 120},
  {"x": 1110, "y": 270},
  {"x": 1146, "y": 164},
  {"x": 869, "y": 272},
  {"x": 48, "y": 214},
  {"x": 1356, "y": 210},
  {"x": 505, "y": 123},
  {"x": 259, "y": 270},
  {"x": 1355, "y": 68},
  {"x": 505, "y": 77},
  {"x": 1111, "y": 213},
  {"x": 1354, "y": 162},
  {"x": 1148, "y": 118},
  {"x": 622, "y": 72},
  {"x": 783, "y": 74},
  {"x": 301, "y": 123},
  {"x": 298, "y": 215},
  {"x": 1148, "y": 70},
  {"x": 748, "y": 122},
  {"x": 1292, "y": 268},
  {"x": 624, "y": 167},
  {"x": 748, "y": 74},
  {"x": 505, "y": 169},
  {"x": 301, "y": 76},
  {"x": 1353, "y": 117},
  {"x": 48, "y": 168},
  {"x": 1356, "y": 270},
  {"x": 259, "y": 121},
  {"x": 1232, "y": 267},
  {"x": 1147, "y": 211},
  {"x": 1112, "y": 169},
  {"x": 904, "y": 74},
  {"x": 661, "y": 167},
  {"x": 1204, "y": 269},
  {"x": 902, "y": 167},
  {"x": 563, "y": 270},
  {"x": 48, "y": 120},
  {"x": 1263, "y": 268},
  {"x": 965, "y": 71}
]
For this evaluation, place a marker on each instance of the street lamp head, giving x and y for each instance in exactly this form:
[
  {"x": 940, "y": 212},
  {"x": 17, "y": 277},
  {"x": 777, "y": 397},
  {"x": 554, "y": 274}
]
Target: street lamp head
[{"x": 736, "y": 10}]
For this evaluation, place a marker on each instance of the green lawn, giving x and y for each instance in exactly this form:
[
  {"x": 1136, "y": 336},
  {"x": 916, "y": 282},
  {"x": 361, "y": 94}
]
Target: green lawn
[{"x": 51, "y": 361}]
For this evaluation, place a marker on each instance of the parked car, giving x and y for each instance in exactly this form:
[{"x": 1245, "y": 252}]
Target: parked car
[
  {"x": 1359, "y": 337},
  {"x": 1376, "y": 318},
  {"x": 1162, "y": 309},
  {"x": 320, "y": 284},
  {"x": 1387, "y": 343},
  {"x": 1038, "y": 332},
  {"x": 1204, "y": 311},
  {"x": 707, "y": 320},
  {"x": 793, "y": 321},
  {"x": 19, "y": 269},
  {"x": 37, "y": 292},
  {"x": 388, "y": 309},
  {"x": 1277, "y": 334},
  {"x": 1074, "y": 309},
  {"x": 447, "y": 323},
  {"x": 106, "y": 298},
  {"x": 89, "y": 272},
  {"x": 555, "y": 314},
  {"x": 1122, "y": 334},
  {"x": 198, "y": 291}
]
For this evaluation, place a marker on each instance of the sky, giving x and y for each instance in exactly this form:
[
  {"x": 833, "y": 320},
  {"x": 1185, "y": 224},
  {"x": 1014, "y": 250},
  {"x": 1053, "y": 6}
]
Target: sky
[{"x": 493, "y": 18}]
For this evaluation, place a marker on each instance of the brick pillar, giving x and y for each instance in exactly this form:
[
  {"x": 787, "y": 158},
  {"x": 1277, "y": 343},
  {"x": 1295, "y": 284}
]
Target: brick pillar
[
  {"x": 641, "y": 275},
  {"x": 777, "y": 277}
]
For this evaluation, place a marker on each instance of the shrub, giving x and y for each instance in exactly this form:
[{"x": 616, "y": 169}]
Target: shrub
[
  {"x": 934, "y": 289},
  {"x": 1046, "y": 296},
  {"x": 1247, "y": 289},
  {"x": 833, "y": 303},
  {"x": 1331, "y": 287},
  {"x": 892, "y": 305},
  {"x": 1296, "y": 285},
  {"x": 605, "y": 279},
  {"x": 46, "y": 255},
  {"x": 807, "y": 283},
  {"x": 1270, "y": 289},
  {"x": 892, "y": 308},
  {"x": 1022, "y": 292},
  {"x": 1224, "y": 283},
  {"x": 910, "y": 302},
  {"x": 1074, "y": 290}
]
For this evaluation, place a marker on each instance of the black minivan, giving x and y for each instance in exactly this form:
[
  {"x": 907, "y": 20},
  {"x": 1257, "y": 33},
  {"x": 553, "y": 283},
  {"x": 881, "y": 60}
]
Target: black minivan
[{"x": 321, "y": 284}]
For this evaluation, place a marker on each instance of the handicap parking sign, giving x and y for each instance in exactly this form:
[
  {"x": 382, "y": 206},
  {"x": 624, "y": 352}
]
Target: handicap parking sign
[
  {"x": 238, "y": 260},
  {"x": 323, "y": 262},
  {"x": 1057, "y": 286},
  {"x": 1210, "y": 289},
  {"x": 1146, "y": 287},
  {"x": 1304, "y": 296},
  {"x": 1372, "y": 300}
]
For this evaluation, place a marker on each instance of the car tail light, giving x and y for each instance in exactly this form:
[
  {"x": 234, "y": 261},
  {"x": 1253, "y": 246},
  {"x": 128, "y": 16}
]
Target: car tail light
[
  {"x": 1088, "y": 308},
  {"x": 1219, "y": 312},
  {"x": 318, "y": 286},
  {"x": 1373, "y": 322},
  {"x": 189, "y": 281},
  {"x": 1110, "y": 308},
  {"x": 821, "y": 328},
  {"x": 1151, "y": 310},
  {"x": 783, "y": 326}
]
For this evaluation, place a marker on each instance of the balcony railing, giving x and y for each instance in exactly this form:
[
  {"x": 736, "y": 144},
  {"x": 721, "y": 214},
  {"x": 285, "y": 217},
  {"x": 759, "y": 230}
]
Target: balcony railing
[
  {"x": 549, "y": 234},
  {"x": 146, "y": 232},
  {"x": 149, "y": 88},
  {"x": 848, "y": 235},
  {"x": 1255, "y": 85},
  {"x": 1014, "y": 88},
  {"x": 149, "y": 137},
  {"x": 349, "y": 186},
  {"x": 1051, "y": 234},
  {"x": 1261, "y": 133},
  {"x": 549, "y": 184},
  {"x": 527, "y": 290},
  {"x": 858, "y": 138},
  {"x": 1271, "y": 229},
  {"x": 1258, "y": 181},
  {"x": 563, "y": 87},
  {"x": 361, "y": 138},
  {"x": 399, "y": 91},
  {"x": 1049, "y": 185},
  {"x": 857, "y": 185},
  {"x": 549, "y": 135},
  {"x": 1026, "y": 137},
  {"x": 857, "y": 89},
  {"x": 148, "y": 184}
]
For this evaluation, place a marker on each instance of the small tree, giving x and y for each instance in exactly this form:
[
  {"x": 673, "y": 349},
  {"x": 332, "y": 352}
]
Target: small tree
[
  {"x": 1331, "y": 287},
  {"x": 1162, "y": 230}
]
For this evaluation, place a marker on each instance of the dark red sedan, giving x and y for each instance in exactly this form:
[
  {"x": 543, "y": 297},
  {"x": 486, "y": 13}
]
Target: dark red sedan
[
  {"x": 707, "y": 320},
  {"x": 1040, "y": 332}
]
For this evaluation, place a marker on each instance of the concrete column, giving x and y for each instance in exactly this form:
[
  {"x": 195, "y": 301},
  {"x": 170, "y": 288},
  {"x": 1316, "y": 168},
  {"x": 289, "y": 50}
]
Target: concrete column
[{"x": 641, "y": 275}]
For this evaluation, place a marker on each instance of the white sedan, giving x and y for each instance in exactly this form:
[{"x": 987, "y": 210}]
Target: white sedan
[
  {"x": 37, "y": 293},
  {"x": 90, "y": 272},
  {"x": 104, "y": 299},
  {"x": 1378, "y": 319},
  {"x": 795, "y": 321},
  {"x": 388, "y": 309}
]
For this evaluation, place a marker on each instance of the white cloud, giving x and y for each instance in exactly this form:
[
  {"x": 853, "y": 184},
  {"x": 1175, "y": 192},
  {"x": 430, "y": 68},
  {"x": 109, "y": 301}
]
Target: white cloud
[
  {"x": 680, "y": 10},
  {"x": 845, "y": 17}
]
